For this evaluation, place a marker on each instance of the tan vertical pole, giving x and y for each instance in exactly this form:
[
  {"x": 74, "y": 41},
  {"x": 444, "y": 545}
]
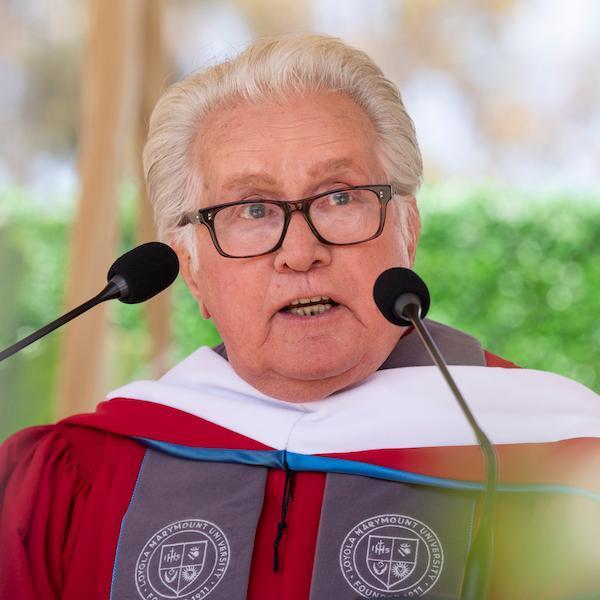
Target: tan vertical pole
[
  {"x": 153, "y": 69},
  {"x": 106, "y": 76}
]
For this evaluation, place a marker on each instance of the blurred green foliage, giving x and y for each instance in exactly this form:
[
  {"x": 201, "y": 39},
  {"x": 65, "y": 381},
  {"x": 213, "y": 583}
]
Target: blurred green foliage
[{"x": 519, "y": 272}]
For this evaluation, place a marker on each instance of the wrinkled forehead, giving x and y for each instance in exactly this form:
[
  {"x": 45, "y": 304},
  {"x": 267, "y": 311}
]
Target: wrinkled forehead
[{"x": 289, "y": 147}]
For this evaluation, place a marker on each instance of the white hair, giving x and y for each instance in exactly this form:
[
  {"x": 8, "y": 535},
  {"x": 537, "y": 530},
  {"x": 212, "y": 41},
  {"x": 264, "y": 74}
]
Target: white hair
[{"x": 269, "y": 69}]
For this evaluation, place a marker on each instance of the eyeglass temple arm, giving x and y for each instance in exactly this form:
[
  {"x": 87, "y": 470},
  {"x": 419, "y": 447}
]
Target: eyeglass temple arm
[{"x": 190, "y": 218}]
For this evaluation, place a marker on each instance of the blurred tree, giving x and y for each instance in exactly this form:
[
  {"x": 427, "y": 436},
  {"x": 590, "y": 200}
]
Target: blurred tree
[
  {"x": 108, "y": 70},
  {"x": 153, "y": 72}
]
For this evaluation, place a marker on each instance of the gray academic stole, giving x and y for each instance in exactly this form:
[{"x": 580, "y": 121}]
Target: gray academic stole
[
  {"x": 384, "y": 539},
  {"x": 189, "y": 530}
]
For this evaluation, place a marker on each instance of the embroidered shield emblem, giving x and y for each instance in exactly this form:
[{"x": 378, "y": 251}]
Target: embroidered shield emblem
[
  {"x": 180, "y": 565},
  {"x": 182, "y": 559},
  {"x": 391, "y": 559}
]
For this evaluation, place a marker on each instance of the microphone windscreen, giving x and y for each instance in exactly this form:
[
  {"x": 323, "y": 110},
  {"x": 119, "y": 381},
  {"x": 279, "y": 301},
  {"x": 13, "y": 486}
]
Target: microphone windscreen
[
  {"x": 391, "y": 284},
  {"x": 148, "y": 269}
]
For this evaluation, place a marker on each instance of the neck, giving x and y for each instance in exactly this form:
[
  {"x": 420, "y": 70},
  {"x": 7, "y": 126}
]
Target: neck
[{"x": 289, "y": 389}]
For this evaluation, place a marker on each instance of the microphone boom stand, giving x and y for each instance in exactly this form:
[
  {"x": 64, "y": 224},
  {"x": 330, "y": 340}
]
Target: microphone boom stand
[
  {"x": 115, "y": 288},
  {"x": 477, "y": 571}
]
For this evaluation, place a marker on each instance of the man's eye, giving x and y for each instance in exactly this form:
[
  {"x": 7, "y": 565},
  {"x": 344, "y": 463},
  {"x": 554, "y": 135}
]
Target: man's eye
[
  {"x": 254, "y": 211},
  {"x": 340, "y": 198}
]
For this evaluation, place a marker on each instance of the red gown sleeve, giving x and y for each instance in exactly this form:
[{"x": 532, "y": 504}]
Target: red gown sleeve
[
  {"x": 491, "y": 360},
  {"x": 42, "y": 496}
]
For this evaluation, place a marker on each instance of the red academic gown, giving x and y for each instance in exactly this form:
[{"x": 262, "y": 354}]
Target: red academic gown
[{"x": 65, "y": 488}]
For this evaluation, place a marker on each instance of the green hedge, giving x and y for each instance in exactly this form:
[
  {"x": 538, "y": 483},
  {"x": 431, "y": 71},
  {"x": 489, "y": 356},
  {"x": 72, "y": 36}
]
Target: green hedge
[
  {"x": 519, "y": 272},
  {"x": 522, "y": 274}
]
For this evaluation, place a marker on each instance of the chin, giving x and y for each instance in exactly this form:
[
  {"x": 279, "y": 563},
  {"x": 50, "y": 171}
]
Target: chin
[
  {"x": 319, "y": 357},
  {"x": 312, "y": 372}
]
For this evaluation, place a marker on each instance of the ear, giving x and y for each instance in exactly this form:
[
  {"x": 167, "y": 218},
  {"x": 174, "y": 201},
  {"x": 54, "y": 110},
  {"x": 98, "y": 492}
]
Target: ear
[
  {"x": 414, "y": 229},
  {"x": 203, "y": 310},
  {"x": 190, "y": 275}
]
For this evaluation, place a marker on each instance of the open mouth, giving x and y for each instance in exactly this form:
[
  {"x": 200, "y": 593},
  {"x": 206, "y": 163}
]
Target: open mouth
[{"x": 309, "y": 307}]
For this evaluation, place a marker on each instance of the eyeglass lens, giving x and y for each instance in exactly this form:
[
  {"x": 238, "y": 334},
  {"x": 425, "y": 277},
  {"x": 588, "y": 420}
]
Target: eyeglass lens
[{"x": 341, "y": 217}]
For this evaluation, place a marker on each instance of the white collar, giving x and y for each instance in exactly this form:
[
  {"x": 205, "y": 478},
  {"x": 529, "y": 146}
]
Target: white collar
[{"x": 409, "y": 407}]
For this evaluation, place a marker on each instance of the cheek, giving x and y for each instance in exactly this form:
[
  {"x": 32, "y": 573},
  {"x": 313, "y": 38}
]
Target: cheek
[
  {"x": 388, "y": 250},
  {"x": 360, "y": 268},
  {"x": 233, "y": 296},
  {"x": 216, "y": 274}
]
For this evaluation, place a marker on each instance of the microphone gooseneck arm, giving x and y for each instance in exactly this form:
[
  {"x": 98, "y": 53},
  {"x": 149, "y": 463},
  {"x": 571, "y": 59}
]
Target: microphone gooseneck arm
[
  {"x": 115, "y": 288},
  {"x": 134, "y": 277},
  {"x": 477, "y": 571}
]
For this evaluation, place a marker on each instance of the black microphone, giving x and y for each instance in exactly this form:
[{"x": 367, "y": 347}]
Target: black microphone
[
  {"x": 134, "y": 277},
  {"x": 403, "y": 299}
]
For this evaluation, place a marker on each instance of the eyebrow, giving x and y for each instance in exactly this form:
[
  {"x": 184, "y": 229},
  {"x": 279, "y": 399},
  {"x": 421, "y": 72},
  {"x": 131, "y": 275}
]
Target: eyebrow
[
  {"x": 333, "y": 164},
  {"x": 265, "y": 180},
  {"x": 257, "y": 179}
]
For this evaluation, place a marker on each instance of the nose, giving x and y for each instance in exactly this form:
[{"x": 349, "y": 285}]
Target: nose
[{"x": 301, "y": 250}]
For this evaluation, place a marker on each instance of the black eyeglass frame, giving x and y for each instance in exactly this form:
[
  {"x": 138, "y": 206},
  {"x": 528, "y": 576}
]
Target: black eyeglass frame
[{"x": 206, "y": 216}]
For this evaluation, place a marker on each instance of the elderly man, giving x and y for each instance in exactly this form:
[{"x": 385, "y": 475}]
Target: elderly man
[{"x": 316, "y": 454}]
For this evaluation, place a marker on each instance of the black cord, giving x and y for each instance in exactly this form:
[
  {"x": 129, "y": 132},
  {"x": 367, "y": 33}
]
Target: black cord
[{"x": 285, "y": 502}]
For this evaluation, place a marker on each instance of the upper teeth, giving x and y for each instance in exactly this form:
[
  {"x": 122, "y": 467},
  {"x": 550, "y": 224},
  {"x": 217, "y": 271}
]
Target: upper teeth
[{"x": 307, "y": 300}]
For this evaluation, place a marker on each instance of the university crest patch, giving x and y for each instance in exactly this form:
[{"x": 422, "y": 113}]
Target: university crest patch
[
  {"x": 184, "y": 560},
  {"x": 387, "y": 555}
]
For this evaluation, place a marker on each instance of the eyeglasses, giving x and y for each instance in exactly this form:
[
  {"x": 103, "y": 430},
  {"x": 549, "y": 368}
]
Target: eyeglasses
[{"x": 255, "y": 227}]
